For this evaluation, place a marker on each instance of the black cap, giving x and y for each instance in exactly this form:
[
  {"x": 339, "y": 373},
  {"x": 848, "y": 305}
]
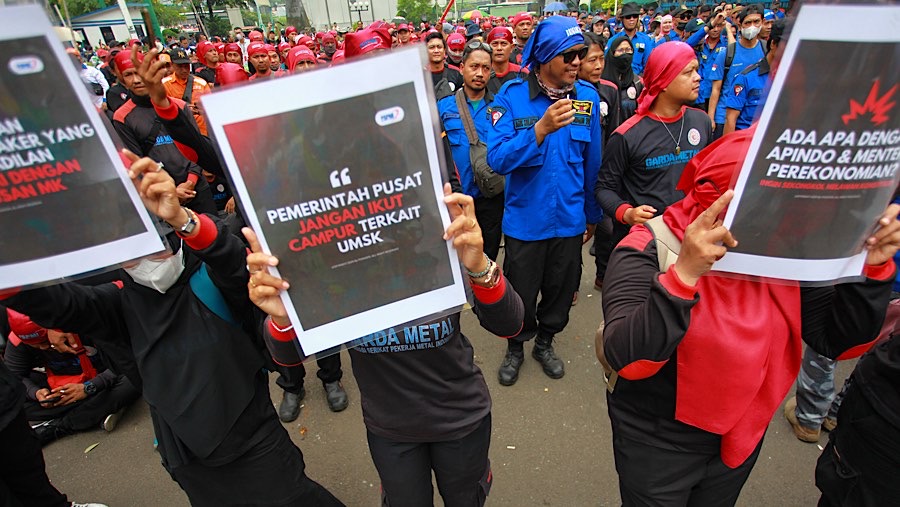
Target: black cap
[
  {"x": 694, "y": 25},
  {"x": 681, "y": 10},
  {"x": 179, "y": 56},
  {"x": 630, "y": 9}
]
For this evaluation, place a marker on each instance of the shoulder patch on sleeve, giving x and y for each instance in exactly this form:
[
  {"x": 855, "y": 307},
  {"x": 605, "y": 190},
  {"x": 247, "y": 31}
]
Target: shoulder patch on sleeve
[{"x": 496, "y": 113}]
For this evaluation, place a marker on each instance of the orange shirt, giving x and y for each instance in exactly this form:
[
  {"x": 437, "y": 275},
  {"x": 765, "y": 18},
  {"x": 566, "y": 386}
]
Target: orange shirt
[{"x": 175, "y": 88}]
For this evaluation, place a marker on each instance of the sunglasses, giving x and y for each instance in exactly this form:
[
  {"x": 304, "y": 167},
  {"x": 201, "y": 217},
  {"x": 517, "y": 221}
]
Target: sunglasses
[
  {"x": 569, "y": 56},
  {"x": 630, "y": 16},
  {"x": 476, "y": 45},
  {"x": 685, "y": 17}
]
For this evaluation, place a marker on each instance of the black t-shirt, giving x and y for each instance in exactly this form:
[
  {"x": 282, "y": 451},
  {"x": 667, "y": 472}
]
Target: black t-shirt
[
  {"x": 446, "y": 82},
  {"x": 208, "y": 75}
]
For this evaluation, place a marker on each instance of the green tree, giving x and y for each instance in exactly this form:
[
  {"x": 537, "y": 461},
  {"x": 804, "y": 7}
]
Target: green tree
[
  {"x": 169, "y": 16},
  {"x": 413, "y": 10}
]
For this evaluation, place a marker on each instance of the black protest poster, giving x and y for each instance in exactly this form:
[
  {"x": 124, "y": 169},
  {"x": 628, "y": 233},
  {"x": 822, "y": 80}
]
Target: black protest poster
[
  {"x": 828, "y": 162},
  {"x": 345, "y": 198},
  {"x": 62, "y": 194}
]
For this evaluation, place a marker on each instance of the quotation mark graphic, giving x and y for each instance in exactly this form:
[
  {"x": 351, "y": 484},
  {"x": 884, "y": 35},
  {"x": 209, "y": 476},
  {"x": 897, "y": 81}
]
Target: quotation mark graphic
[{"x": 343, "y": 180}]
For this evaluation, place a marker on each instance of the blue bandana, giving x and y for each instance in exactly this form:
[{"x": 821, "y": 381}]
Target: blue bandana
[{"x": 551, "y": 37}]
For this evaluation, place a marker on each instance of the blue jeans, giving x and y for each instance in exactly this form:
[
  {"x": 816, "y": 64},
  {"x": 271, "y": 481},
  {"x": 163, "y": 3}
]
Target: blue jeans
[{"x": 815, "y": 390}]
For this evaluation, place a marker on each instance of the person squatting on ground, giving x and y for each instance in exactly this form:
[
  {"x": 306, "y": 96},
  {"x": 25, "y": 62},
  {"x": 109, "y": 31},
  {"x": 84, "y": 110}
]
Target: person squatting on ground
[
  {"x": 425, "y": 410},
  {"x": 546, "y": 138},
  {"x": 698, "y": 364}
]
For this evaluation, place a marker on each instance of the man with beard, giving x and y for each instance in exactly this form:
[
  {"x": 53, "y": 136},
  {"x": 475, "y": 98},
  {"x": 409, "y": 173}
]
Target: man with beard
[
  {"x": 143, "y": 134},
  {"x": 329, "y": 46},
  {"x": 640, "y": 41},
  {"x": 445, "y": 80},
  {"x": 522, "y": 25},
  {"x": 501, "y": 41},
  {"x": 209, "y": 60},
  {"x": 546, "y": 138},
  {"x": 476, "y": 68}
]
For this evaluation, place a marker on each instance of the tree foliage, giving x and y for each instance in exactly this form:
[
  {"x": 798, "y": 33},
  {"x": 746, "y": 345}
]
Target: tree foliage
[{"x": 413, "y": 10}]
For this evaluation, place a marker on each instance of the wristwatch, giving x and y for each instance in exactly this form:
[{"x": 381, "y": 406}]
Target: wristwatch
[
  {"x": 489, "y": 279},
  {"x": 190, "y": 225},
  {"x": 90, "y": 388}
]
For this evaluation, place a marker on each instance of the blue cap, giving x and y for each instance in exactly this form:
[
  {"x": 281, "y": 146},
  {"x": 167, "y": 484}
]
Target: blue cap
[{"x": 769, "y": 15}]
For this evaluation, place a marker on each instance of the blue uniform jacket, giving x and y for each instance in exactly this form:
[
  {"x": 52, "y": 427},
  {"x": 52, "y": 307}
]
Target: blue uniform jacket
[
  {"x": 549, "y": 188},
  {"x": 743, "y": 57},
  {"x": 748, "y": 93},
  {"x": 706, "y": 58},
  {"x": 643, "y": 45},
  {"x": 459, "y": 141}
]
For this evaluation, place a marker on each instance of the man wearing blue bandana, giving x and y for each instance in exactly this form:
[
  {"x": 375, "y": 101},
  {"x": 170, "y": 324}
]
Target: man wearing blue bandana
[{"x": 546, "y": 138}]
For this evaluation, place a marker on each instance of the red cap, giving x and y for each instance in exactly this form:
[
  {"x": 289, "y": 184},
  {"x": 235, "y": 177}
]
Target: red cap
[
  {"x": 23, "y": 329},
  {"x": 456, "y": 42},
  {"x": 486, "y": 26},
  {"x": 364, "y": 41},
  {"x": 520, "y": 17},
  {"x": 319, "y": 35},
  {"x": 271, "y": 48},
  {"x": 403, "y": 26},
  {"x": 338, "y": 57},
  {"x": 133, "y": 42},
  {"x": 256, "y": 36},
  {"x": 289, "y": 30},
  {"x": 283, "y": 46},
  {"x": 501, "y": 32},
  {"x": 203, "y": 48},
  {"x": 255, "y": 48},
  {"x": 102, "y": 54},
  {"x": 233, "y": 47},
  {"x": 305, "y": 40},
  {"x": 461, "y": 30},
  {"x": 122, "y": 60},
  {"x": 228, "y": 73},
  {"x": 300, "y": 54},
  {"x": 220, "y": 48}
]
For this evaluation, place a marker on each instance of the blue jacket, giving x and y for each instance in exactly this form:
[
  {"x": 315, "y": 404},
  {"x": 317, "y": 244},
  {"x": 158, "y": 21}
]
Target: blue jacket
[
  {"x": 643, "y": 45},
  {"x": 459, "y": 141},
  {"x": 706, "y": 58},
  {"x": 747, "y": 93},
  {"x": 549, "y": 188}
]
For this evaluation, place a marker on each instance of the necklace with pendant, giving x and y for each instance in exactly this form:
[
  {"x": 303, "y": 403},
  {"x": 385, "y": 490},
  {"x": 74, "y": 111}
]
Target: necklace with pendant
[{"x": 677, "y": 141}]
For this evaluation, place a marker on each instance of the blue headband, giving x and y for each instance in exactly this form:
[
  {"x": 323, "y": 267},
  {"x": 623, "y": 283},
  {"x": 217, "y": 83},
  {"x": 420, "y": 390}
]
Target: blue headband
[{"x": 551, "y": 37}]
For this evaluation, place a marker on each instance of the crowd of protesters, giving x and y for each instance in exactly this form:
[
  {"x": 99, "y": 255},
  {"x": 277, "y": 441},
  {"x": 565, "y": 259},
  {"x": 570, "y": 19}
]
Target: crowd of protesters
[{"x": 623, "y": 129}]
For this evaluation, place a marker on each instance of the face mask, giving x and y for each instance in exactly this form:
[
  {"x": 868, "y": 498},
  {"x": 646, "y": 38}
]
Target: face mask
[
  {"x": 159, "y": 275},
  {"x": 682, "y": 26},
  {"x": 622, "y": 62},
  {"x": 750, "y": 32},
  {"x": 329, "y": 50},
  {"x": 239, "y": 36}
]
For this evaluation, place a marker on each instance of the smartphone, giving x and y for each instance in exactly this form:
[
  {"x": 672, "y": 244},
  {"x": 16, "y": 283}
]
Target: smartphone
[{"x": 51, "y": 399}]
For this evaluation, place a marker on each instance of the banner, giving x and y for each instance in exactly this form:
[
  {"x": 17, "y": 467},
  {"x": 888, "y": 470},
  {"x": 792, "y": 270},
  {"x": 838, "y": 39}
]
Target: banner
[
  {"x": 340, "y": 178},
  {"x": 67, "y": 205},
  {"x": 823, "y": 163}
]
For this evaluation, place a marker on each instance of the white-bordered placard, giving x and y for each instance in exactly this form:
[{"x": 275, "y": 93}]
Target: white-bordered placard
[
  {"x": 824, "y": 160},
  {"x": 67, "y": 206},
  {"x": 337, "y": 171}
]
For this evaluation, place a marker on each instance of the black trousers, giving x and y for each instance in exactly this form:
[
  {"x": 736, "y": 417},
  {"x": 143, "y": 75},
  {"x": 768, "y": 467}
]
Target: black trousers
[
  {"x": 653, "y": 476},
  {"x": 23, "y": 476},
  {"x": 461, "y": 468},
  {"x": 860, "y": 466},
  {"x": 489, "y": 212},
  {"x": 87, "y": 413},
  {"x": 550, "y": 268},
  {"x": 271, "y": 474},
  {"x": 603, "y": 245},
  {"x": 290, "y": 378}
]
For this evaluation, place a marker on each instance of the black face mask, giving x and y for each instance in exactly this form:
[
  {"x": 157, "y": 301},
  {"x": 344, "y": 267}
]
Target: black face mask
[
  {"x": 681, "y": 26},
  {"x": 622, "y": 62},
  {"x": 329, "y": 50}
]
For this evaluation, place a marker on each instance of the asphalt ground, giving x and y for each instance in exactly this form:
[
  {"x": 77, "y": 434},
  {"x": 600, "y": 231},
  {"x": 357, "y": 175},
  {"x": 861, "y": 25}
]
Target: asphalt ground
[{"x": 551, "y": 442}]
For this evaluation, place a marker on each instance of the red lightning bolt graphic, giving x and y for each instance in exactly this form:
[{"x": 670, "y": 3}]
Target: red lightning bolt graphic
[{"x": 878, "y": 106}]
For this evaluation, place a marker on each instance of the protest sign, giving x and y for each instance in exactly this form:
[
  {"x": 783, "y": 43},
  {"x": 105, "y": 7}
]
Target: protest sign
[
  {"x": 341, "y": 180},
  {"x": 66, "y": 204},
  {"x": 823, "y": 163}
]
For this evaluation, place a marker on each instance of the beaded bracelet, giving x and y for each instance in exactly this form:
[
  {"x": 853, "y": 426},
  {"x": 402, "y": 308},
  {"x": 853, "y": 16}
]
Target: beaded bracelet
[{"x": 480, "y": 273}]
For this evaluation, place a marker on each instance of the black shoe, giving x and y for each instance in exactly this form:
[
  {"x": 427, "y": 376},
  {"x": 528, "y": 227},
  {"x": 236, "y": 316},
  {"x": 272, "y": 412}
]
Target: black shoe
[
  {"x": 336, "y": 396},
  {"x": 509, "y": 369},
  {"x": 289, "y": 409},
  {"x": 552, "y": 365},
  {"x": 51, "y": 431}
]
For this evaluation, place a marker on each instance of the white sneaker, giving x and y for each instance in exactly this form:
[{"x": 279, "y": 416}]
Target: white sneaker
[
  {"x": 76, "y": 504},
  {"x": 109, "y": 423}
]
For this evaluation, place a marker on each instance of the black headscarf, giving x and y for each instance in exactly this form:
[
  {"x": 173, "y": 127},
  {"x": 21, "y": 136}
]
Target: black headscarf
[{"x": 615, "y": 69}]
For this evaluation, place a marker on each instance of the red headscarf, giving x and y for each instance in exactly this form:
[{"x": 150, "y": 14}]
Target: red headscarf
[
  {"x": 501, "y": 32},
  {"x": 742, "y": 351},
  {"x": 233, "y": 47},
  {"x": 665, "y": 63},
  {"x": 228, "y": 73},
  {"x": 300, "y": 54},
  {"x": 364, "y": 41}
]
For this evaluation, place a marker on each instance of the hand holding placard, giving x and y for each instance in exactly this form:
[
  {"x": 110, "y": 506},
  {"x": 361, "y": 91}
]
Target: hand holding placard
[
  {"x": 884, "y": 243},
  {"x": 464, "y": 230},
  {"x": 706, "y": 240},
  {"x": 265, "y": 289}
]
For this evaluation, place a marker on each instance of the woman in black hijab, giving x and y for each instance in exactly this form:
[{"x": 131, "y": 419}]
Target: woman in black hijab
[{"x": 619, "y": 53}]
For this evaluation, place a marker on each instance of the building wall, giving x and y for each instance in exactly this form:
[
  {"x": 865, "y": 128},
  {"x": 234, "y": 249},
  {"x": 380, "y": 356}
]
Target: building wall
[
  {"x": 340, "y": 13},
  {"x": 92, "y": 23}
]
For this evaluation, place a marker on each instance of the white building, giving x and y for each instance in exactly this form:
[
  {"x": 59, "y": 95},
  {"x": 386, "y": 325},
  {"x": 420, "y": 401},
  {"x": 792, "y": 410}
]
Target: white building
[
  {"x": 325, "y": 13},
  {"x": 106, "y": 25}
]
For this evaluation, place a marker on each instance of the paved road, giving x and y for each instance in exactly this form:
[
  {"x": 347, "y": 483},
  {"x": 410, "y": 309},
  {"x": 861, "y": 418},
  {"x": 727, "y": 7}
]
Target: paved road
[{"x": 551, "y": 439}]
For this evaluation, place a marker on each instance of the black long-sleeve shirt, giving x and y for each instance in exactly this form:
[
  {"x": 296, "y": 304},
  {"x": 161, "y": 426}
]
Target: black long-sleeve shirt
[{"x": 21, "y": 359}]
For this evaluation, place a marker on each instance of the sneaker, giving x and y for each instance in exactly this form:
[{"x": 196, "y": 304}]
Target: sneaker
[
  {"x": 110, "y": 422},
  {"x": 829, "y": 424},
  {"x": 551, "y": 364},
  {"x": 51, "y": 431},
  {"x": 89, "y": 504},
  {"x": 802, "y": 433},
  {"x": 289, "y": 409},
  {"x": 336, "y": 396},
  {"x": 509, "y": 369}
]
